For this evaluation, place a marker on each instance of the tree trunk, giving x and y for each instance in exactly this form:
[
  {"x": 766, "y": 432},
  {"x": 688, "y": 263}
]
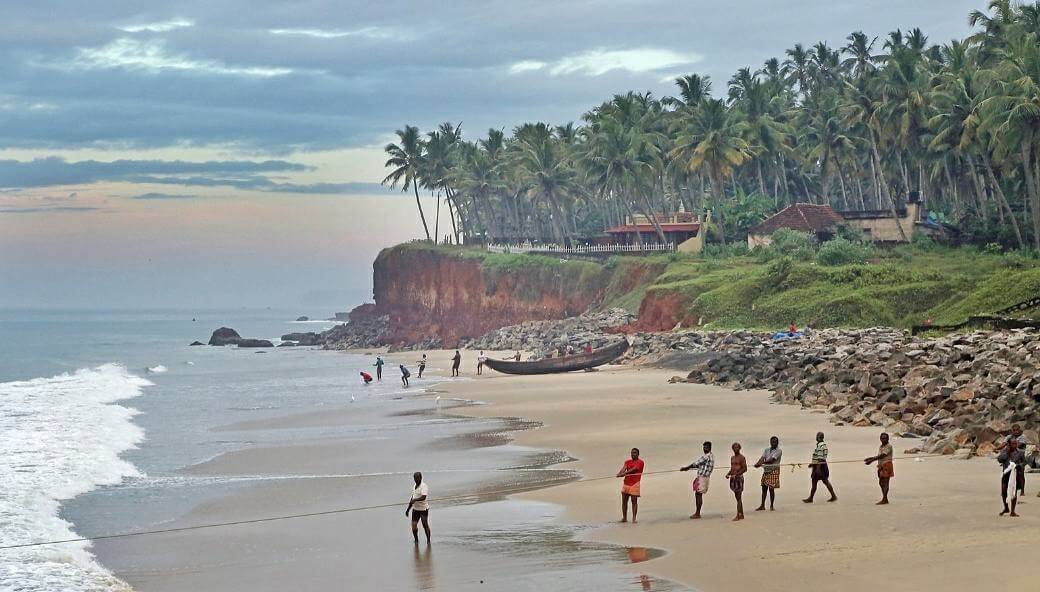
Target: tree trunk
[
  {"x": 653, "y": 220},
  {"x": 716, "y": 189},
  {"x": 1034, "y": 194},
  {"x": 437, "y": 221},
  {"x": 1003, "y": 200},
  {"x": 421, "y": 215},
  {"x": 884, "y": 187},
  {"x": 761, "y": 178}
]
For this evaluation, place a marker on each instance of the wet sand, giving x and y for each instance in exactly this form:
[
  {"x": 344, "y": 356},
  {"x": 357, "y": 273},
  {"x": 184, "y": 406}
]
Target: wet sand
[{"x": 941, "y": 531}]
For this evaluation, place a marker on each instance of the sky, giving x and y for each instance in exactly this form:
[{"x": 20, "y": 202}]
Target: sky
[{"x": 227, "y": 153}]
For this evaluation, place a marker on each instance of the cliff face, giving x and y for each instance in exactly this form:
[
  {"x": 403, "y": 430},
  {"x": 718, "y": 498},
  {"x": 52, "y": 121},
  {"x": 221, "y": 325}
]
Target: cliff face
[{"x": 430, "y": 292}]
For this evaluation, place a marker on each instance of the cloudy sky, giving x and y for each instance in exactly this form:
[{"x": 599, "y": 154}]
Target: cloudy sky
[{"x": 228, "y": 152}]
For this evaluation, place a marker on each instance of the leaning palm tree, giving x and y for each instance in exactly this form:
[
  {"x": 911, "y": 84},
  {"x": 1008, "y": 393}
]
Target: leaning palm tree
[
  {"x": 712, "y": 141},
  {"x": 406, "y": 160}
]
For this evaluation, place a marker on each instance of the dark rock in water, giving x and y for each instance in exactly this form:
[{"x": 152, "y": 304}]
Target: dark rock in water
[
  {"x": 303, "y": 338},
  {"x": 196, "y": 343},
  {"x": 301, "y": 319},
  {"x": 341, "y": 316},
  {"x": 225, "y": 336},
  {"x": 287, "y": 344},
  {"x": 254, "y": 343}
]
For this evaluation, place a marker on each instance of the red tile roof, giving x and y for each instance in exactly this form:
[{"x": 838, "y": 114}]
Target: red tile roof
[
  {"x": 799, "y": 216},
  {"x": 649, "y": 228}
]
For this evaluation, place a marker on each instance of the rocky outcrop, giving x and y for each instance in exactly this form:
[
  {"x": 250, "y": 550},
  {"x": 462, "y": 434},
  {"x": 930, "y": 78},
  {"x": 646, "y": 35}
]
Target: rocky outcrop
[
  {"x": 310, "y": 338},
  {"x": 196, "y": 343},
  {"x": 541, "y": 338},
  {"x": 254, "y": 343},
  {"x": 365, "y": 327},
  {"x": 302, "y": 319},
  {"x": 960, "y": 392},
  {"x": 225, "y": 336}
]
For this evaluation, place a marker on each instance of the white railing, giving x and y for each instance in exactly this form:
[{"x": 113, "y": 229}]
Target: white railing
[{"x": 581, "y": 249}]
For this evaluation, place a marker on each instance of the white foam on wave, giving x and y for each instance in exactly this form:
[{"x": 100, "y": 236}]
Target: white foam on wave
[
  {"x": 60, "y": 437},
  {"x": 158, "y": 369}
]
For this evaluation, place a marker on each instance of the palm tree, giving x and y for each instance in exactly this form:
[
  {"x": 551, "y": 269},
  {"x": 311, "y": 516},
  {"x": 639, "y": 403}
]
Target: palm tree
[{"x": 406, "y": 161}]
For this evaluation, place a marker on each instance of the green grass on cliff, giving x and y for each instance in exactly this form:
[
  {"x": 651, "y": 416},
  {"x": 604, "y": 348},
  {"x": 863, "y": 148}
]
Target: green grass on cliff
[{"x": 761, "y": 290}]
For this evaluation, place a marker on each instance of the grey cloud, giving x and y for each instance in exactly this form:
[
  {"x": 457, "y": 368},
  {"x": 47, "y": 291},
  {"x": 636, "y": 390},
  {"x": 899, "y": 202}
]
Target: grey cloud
[
  {"x": 44, "y": 172},
  {"x": 261, "y": 183},
  {"x": 153, "y": 195},
  {"x": 38, "y": 209}
]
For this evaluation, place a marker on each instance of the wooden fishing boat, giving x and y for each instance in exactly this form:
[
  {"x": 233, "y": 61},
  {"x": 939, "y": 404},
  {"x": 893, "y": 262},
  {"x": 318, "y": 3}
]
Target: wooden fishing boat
[{"x": 571, "y": 363}]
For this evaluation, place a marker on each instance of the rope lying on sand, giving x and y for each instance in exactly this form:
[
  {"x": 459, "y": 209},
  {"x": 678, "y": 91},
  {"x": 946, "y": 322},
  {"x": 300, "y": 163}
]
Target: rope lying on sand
[{"x": 365, "y": 508}]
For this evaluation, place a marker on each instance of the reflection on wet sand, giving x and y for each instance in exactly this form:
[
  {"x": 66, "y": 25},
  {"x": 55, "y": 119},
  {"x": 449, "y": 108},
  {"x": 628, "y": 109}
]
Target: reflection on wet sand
[
  {"x": 639, "y": 555},
  {"x": 424, "y": 568}
]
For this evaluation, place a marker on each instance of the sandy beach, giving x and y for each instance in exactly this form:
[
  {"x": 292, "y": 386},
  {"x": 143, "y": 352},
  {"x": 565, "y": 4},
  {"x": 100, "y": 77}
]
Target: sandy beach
[
  {"x": 942, "y": 530},
  {"x": 943, "y": 513}
]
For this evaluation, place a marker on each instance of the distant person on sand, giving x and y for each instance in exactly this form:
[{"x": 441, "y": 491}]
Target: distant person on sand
[
  {"x": 792, "y": 328},
  {"x": 704, "y": 465},
  {"x": 737, "y": 468},
  {"x": 588, "y": 348},
  {"x": 480, "y": 362},
  {"x": 365, "y": 376},
  {"x": 379, "y": 367},
  {"x": 419, "y": 506},
  {"x": 1018, "y": 436},
  {"x": 404, "y": 375},
  {"x": 517, "y": 356},
  {"x": 820, "y": 470},
  {"x": 770, "y": 463},
  {"x": 632, "y": 471},
  {"x": 456, "y": 361},
  {"x": 885, "y": 468},
  {"x": 422, "y": 365},
  {"x": 1010, "y": 459}
]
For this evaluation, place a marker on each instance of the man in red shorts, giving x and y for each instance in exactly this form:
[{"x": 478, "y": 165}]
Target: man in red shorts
[{"x": 632, "y": 471}]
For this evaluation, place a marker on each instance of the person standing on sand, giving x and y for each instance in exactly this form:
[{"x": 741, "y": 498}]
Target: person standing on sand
[
  {"x": 456, "y": 361},
  {"x": 737, "y": 468},
  {"x": 1016, "y": 435},
  {"x": 1010, "y": 460},
  {"x": 632, "y": 471},
  {"x": 770, "y": 463},
  {"x": 704, "y": 465},
  {"x": 379, "y": 367},
  {"x": 404, "y": 375},
  {"x": 885, "y": 468},
  {"x": 516, "y": 357},
  {"x": 820, "y": 470},
  {"x": 480, "y": 362},
  {"x": 422, "y": 365},
  {"x": 419, "y": 506}
]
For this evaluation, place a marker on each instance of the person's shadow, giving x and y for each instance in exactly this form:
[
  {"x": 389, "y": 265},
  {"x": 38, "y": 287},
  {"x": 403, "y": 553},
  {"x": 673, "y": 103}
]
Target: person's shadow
[{"x": 424, "y": 568}]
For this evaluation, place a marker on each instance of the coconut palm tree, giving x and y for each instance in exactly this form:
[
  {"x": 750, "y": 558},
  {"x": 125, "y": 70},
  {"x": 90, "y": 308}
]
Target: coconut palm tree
[{"x": 406, "y": 162}]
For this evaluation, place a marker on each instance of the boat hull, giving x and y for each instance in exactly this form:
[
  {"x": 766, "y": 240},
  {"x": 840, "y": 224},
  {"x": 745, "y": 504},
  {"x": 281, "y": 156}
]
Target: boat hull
[{"x": 573, "y": 363}]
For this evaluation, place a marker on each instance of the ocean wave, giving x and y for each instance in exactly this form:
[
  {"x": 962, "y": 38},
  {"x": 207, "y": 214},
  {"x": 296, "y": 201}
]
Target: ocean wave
[
  {"x": 60, "y": 437},
  {"x": 158, "y": 369}
]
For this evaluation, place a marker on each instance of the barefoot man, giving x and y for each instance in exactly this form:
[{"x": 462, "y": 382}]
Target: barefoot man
[
  {"x": 704, "y": 465},
  {"x": 885, "y": 469},
  {"x": 1010, "y": 460},
  {"x": 820, "y": 470},
  {"x": 737, "y": 468},
  {"x": 632, "y": 471},
  {"x": 770, "y": 463},
  {"x": 1018, "y": 436},
  {"x": 419, "y": 506}
]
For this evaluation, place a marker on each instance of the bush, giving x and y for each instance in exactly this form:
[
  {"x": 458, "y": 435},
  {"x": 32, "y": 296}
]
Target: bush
[
  {"x": 993, "y": 249},
  {"x": 840, "y": 251},
  {"x": 715, "y": 251},
  {"x": 787, "y": 241}
]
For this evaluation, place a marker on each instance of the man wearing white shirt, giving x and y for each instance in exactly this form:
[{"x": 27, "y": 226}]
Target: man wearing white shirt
[{"x": 419, "y": 506}]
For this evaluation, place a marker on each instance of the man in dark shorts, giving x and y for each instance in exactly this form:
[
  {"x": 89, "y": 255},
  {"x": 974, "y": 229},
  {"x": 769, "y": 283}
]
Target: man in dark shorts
[
  {"x": 1018, "y": 436},
  {"x": 820, "y": 470},
  {"x": 885, "y": 468},
  {"x": 404, "y": 375},
  {"x": 632, "y": 471},
  {"x": 456, "y": 361},
  {"x": 737, "y": 468},
  {"x": 419, "y": 506},
  {"x": 770, "y": 463},
  {"x": 422, "y": 365},
  {"x": 1010, "y": 460}
]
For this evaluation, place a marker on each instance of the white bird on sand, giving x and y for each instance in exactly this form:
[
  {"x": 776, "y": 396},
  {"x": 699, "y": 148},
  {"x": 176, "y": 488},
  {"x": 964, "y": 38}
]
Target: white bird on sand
[
  {"x": 438, "y": 399},
  {"x": 351, "y": 398}
]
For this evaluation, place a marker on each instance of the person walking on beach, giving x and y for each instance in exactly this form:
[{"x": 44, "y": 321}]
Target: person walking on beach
[
  {"x": 480, "y": 362},
  {"x": 770, "y": 463},
  {"x": 632, "y": 471},
  {"x": 404, "y": 375},
  {"x": 422, "y": 365},
  {"x": 885, "y": 468},
  {"x": 737, "y": 468},
  {"x": 704, "y": 465},
  {"x": 419, "y": 506},
  {"x": 1017, "y": 436},
  {"x": 379, "y": 367},
  {"x": 1010, "y": 460},
  {"x": 456, "y": 361},
  {"x": 820, "y": 470}
]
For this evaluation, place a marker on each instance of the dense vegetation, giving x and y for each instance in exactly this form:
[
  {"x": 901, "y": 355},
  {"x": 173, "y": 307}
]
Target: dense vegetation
[{"x": 857, "y": 127}]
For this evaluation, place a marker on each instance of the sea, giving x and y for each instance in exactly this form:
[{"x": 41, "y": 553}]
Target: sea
[{"x": 107, "y": 415}]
